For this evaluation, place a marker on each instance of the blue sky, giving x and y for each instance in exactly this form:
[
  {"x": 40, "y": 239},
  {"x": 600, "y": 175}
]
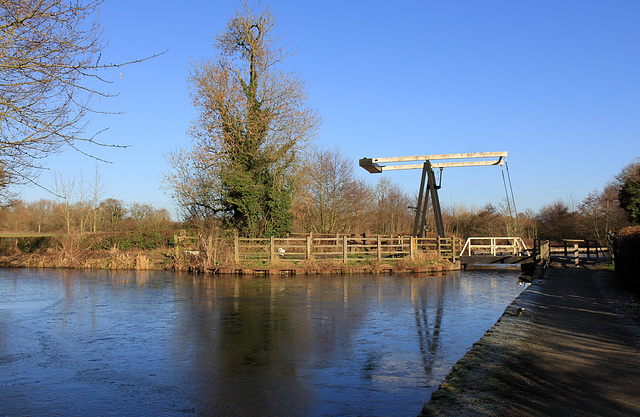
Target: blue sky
[{"x": 554, "y": 83}]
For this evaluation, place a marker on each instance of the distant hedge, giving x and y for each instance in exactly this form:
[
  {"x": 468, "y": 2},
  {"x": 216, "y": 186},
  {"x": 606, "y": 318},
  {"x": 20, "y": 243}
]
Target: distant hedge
[
  {"x": 132, "y": 240},
  {"x": 24, "y": 244},
  {"x": 626, "y": 249},
  {"x": 126, "y": 241}
]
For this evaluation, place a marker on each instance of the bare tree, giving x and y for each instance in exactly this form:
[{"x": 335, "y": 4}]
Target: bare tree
[
  {"x": 253, "y": 122},
  {"x": 145, "y": 216},
  {"x": 42, "y": 215},
  {"x": 50, "y": 66},
  {"x": 112, "y": 212},
  {"x": 329, "y": 194},
  {"x": 392, "y": 208},
  {"x": 65, "y": 191},
  {"x": 558, "y": 222},
  {"x": 97, "y": 195},
  {"x": 194, "y": 184},
  {"x": 602, "y": 213}
]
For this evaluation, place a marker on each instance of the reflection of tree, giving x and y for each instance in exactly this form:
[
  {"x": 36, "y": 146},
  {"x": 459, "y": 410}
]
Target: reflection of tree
[
  {"x": 429, "y": 340},
  {"x": 249, "y": 345},
  {"x": 240, "y": 342},
  {"x": 256, "y": 335},
  {"x": 246, "y": 338}
]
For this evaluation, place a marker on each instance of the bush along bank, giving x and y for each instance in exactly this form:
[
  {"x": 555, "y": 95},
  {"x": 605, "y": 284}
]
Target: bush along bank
[
  {"x": 626, "y": 253},
  {"x": 164, "y": 251}
]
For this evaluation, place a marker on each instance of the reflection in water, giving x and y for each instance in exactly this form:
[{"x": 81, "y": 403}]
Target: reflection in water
[
  {"x": 429, "y": 335},
  {"x": 166, "y": 344}
]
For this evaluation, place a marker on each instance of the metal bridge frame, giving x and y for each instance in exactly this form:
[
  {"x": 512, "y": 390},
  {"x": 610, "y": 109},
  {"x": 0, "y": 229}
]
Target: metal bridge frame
[{"x": 424, "y": 161}]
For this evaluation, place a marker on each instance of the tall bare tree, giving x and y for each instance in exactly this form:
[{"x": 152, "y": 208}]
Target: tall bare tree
[
  {"x": 602, "y": 212},
  {"x": 65, "y": 189},
  {"x": 42, "y": 215},
  {"x": 50, "y": 66},
  {"x": 392, "y": 208},
  {"x": 253, "y": 122},
  {"x": 558, "y": 222},
  {"x": 194, "y": 183},
  {"x": 330, "y": 197}
]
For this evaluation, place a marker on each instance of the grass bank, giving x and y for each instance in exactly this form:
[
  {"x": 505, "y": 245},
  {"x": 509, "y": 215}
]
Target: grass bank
[{"x": 126, "y": 250}]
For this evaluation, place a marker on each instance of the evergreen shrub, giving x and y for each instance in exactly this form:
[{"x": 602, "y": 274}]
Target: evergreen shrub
[{"x": 626, "y": 250}]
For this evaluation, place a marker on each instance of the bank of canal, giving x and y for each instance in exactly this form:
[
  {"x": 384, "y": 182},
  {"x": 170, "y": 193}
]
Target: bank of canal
[
  {"x": 158, "y": 343},
  {"x": 574, "y": 350}
]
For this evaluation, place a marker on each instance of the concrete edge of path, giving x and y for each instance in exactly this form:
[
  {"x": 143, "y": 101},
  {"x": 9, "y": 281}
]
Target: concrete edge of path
[{"x": 489, "y": 378}]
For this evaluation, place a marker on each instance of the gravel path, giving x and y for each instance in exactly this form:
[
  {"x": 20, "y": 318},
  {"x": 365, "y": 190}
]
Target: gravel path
[{"x": 573, "y": 351}]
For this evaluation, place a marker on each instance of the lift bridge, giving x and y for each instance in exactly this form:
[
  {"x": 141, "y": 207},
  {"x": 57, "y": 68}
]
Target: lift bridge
[{"x": 477, "y": 249}]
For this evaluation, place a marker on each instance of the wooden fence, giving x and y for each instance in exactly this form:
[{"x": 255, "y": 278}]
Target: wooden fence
[
  {"x": 567, "y": 247},
  {"x": 343, "y": 248}
]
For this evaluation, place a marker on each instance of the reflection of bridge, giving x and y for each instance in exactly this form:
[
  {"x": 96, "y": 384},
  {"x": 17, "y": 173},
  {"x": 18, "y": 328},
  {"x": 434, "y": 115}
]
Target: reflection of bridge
[{"x": 495, "y": 250}]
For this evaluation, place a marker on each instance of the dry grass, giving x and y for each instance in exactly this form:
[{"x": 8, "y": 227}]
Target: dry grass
[{"x": 142, "y": 262}]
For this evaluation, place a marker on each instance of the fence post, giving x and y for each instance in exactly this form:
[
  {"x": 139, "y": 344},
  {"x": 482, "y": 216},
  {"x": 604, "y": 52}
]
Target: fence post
[
  {"x": 547, "y": 251},
  {"x": 411, "y": 243},
  {"x": 175, "y": 244},
  {"x": 308, "y": 254},
  {"x": 542, "y": 251},
  {"x": 576, "y": 255},
  {"x": 271, "y": 250},
  {"x": 379, "y": 249},
  {"x": 344, "y": 249},
  {"x": 236, "y": 249}
]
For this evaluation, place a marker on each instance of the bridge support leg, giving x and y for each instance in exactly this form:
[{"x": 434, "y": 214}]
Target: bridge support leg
[
  {"x": 417, "y": 224},
  {"x": 431, "y": 189},
  {"x": 436, "y": 202}
]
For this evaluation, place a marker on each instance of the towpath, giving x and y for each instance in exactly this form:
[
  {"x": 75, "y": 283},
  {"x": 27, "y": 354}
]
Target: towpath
[{"x": 573, "y": 351}]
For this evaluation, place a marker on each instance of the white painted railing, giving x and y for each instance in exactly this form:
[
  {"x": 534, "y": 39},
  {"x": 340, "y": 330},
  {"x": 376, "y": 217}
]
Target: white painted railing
[{"x": 494, "y": 246}]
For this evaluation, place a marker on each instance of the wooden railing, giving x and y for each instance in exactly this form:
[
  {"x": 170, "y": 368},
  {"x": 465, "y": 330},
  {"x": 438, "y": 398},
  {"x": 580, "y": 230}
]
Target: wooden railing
[
  {"x": 567, "y": 247},
  {"x": 184, "y": 242},
  {"x": 343, "y": 248},
  {"x": 574, "y": 249},
  {"x": 541, "y": 252}
]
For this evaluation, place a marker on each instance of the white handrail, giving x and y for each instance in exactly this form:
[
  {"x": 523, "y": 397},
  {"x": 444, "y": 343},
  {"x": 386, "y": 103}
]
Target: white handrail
[{"x": 515, "y": 246}]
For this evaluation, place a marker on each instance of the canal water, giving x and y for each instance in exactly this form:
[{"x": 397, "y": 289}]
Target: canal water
[{"x": 80, "y": 343}]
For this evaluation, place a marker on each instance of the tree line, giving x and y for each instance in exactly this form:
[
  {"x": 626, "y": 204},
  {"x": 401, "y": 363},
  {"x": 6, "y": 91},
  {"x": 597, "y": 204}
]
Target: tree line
[
  {"x": 109, "y": 215},
  {"x": 328, "y": 198}
]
